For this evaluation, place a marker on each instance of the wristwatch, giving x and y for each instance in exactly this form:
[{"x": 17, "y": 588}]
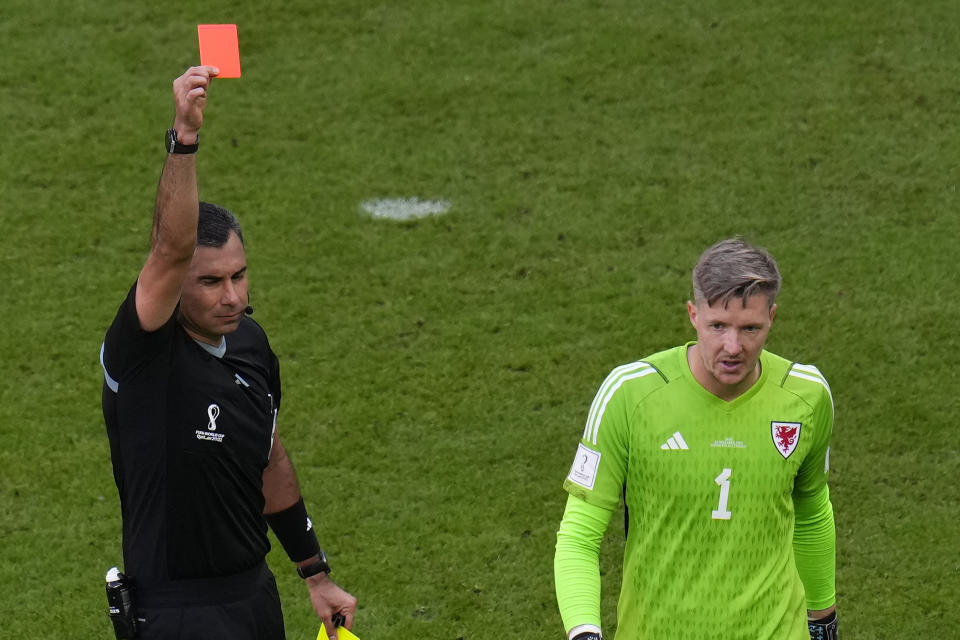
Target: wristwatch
[
  {"x": 174, "y": 146},
  {"x": 587, "y": 635},
  {"x": 319, "y": 566}
]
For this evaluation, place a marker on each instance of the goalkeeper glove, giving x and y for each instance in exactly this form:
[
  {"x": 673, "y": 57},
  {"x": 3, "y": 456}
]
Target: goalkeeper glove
[{"x": 824, "y": 628}]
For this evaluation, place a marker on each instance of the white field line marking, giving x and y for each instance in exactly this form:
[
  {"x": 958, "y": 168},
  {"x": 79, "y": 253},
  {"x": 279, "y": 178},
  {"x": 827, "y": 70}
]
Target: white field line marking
[{"x": 404, "y": 208}]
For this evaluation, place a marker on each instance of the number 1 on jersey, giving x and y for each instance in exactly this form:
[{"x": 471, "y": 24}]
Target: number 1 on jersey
[{"x": 721, "y": 513}]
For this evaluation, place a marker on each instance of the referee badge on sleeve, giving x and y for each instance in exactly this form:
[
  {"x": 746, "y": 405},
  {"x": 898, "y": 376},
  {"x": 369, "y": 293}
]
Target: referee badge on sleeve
[{"x": 584, "y": 468}]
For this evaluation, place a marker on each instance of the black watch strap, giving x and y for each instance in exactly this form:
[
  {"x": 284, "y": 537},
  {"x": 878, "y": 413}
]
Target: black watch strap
[
  {"x": 587, "y": 635},
  {"x": 174, "y": 146},
  {"x": 312, "y": 569}
]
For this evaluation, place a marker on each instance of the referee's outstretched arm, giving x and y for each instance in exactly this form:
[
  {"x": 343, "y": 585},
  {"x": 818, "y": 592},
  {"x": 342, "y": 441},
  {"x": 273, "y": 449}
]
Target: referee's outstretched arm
[
  {"x": 175, "y": 217},
  {"x": 287, "y": 516}
]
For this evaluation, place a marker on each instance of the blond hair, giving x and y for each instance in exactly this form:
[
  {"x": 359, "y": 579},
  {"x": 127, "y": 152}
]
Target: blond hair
[{"x": 732, "y": 268}]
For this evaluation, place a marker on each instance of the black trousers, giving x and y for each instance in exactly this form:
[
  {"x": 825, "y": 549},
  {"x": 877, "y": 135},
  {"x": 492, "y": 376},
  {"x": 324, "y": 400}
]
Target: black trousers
[{"x": 242, "y": 607}]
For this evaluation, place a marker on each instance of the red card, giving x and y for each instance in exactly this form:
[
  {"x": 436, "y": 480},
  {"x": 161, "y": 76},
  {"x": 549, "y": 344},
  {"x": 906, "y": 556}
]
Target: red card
[{"x": 219, "y": 48}]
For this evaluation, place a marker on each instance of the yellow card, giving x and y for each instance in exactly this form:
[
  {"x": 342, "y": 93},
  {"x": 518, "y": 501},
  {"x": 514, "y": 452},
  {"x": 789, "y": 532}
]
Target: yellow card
[{"x": 342, "y": 634}]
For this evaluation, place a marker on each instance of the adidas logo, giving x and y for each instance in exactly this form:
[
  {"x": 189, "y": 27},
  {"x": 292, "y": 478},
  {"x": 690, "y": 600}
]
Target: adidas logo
[{"x": 676, "y": 441}]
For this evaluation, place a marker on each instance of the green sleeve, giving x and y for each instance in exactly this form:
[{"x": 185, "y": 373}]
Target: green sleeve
[
  {"x": 814, "y": 547},
  {"x": 815, "y": 468},
  {"x": 814, "y": 536},
  {"x": 576, "y": 564},
  {"x": 600, "y": 464}
]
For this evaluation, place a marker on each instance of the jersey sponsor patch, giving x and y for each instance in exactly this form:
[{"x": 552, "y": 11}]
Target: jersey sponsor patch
[
  {"x": 584, "y": 469},
  {"x": 786, "y": 436}
]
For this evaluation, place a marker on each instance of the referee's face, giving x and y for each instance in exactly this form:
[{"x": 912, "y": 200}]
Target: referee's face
[
  {"x": 214, "y": 294},
  {"x": 729, "y": 342}
]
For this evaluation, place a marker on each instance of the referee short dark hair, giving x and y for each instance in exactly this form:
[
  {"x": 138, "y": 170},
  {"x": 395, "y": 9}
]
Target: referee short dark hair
[{"x": 214, "y": 225}]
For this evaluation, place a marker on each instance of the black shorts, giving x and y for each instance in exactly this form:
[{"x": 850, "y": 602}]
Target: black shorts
[{"x": 241, "y": 607}]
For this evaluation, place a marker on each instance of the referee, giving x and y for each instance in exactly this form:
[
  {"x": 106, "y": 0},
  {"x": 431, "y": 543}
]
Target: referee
[{"x": 190, "y": 398}]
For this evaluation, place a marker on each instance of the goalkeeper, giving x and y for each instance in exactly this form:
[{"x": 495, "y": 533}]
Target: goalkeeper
[{"x": 719, "y": 451}]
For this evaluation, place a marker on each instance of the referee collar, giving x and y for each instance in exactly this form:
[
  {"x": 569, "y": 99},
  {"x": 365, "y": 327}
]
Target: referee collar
[{"x": 218, "y": 351}]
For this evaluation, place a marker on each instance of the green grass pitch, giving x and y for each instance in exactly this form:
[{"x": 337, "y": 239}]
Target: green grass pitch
[{"x": 437, "y": 372}]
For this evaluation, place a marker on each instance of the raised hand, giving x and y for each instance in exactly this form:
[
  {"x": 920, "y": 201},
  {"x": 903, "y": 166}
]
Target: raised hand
[{"x": 190, "y": 98}]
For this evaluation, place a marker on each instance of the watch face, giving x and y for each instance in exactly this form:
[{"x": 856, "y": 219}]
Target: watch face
[{"x": 171, "y": 139}]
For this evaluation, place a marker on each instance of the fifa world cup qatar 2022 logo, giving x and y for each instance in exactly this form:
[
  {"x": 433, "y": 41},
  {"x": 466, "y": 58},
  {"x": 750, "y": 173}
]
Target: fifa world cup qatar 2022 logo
[
  {"x": 786, "y": 436},
  {"x": 210, "y": 434}
]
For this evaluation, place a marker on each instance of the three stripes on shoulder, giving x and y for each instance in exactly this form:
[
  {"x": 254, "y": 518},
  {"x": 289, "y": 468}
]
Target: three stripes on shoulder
[{"x": 607, "y": 390}]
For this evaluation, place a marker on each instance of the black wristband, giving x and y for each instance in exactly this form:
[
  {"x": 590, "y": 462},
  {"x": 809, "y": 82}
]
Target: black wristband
[
  {"x": 824, "y": 628},
  {"x": 587, "y": 635},
  {"x": 295, "y": 532},
  {"x": 320, "y": 565},
  {"x": 175, "y": 146}
]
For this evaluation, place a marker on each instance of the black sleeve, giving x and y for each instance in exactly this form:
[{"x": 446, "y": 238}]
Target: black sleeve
[
  {"x": 274, "y": 380},
  {"x": 127, "y": 348}
]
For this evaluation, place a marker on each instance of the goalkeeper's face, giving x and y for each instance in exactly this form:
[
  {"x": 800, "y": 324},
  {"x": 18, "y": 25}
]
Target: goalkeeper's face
[{"x": 729, "y": 342}]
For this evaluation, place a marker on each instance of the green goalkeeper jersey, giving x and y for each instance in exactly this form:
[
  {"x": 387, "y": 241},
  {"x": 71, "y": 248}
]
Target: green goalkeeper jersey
[{"x": 709, "y": 488}]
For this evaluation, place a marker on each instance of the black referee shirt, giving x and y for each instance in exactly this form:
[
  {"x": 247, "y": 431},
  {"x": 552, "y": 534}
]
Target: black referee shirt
[{"x": 190, "y": 435}]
